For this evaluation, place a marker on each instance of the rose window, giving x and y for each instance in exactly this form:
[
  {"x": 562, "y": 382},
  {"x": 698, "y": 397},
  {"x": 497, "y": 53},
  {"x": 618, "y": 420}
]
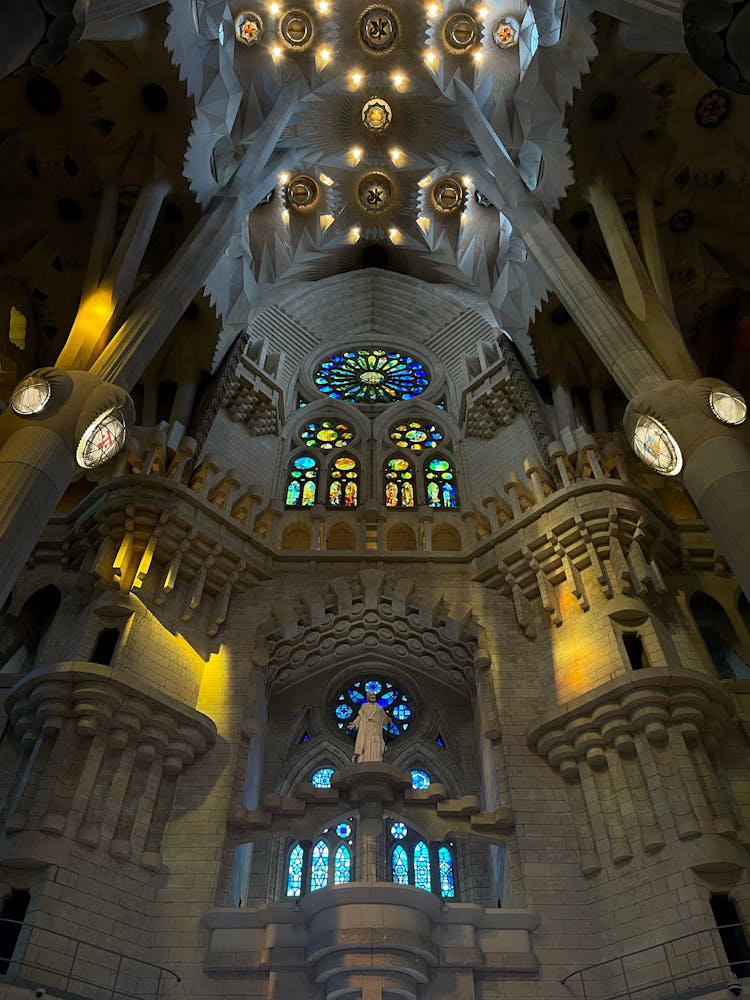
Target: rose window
[
  {"x": 372, "y": 375},
  {"x": 389, "y": 696},
  {"x": 416, "y": 435},
  {"x": 327, "y": 434}
]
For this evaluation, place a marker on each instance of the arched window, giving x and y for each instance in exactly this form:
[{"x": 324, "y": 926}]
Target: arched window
[
  {"x": 416, "y": 435},
  {"x": 440, "y": 483},
  {"x": 420, "y": 779},
  {"x": 327, "y": 861},
  {"x": 302, "y": 483},
  {"x": 391, "y": 698},
  {"x": 343, "y": 482},
  {"x": 327, "y": 434},
  {"x": 415, "y": 862},
  {"x": 322, "y": 777},
  {"x": 399, "y": 482}
]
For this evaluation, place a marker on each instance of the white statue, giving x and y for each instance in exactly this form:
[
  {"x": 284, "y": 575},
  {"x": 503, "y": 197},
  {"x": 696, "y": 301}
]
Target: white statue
[{"x": 370, "y": 722}]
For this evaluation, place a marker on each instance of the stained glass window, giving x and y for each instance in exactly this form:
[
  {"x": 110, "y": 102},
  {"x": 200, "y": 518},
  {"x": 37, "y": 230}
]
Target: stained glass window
[
  {"x": 319, "y": 868},
  {"x": 440, "y": 483},
  {"x": 322, "y": 777},
  {"x": 398, "y": 831},
  {"x": 422, "y": 866},
  {"x": 399, "y": 482},
  {"x": 420, "y": 779},
  {"x": 372, "y": 375},
  {"x": 343, "y": 830},
  {"x": 327, "y": 434},
  {"x": 400, "y": 865},
  {"x": 294, "y": 872},
  {"x": 445, "y": 861},
  {"x": 342, "y": 866},
  {"x": 303, "y": 475},
  {"x": 390, "y": 697},
  {"x": 343, "y": 482},
  {"x": 415, "y": 435}
]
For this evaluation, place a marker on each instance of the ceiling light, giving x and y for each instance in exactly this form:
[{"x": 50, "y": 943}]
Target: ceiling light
[
  {"x": 482, "y": 12},
  {"x": 284, "y": 178},
  {"x": 433, "y": 10},
  {"x": 357, "y": 79},
  {"x": 430, "y": 58},
  {"x": 274, "y": 8},
  {"x": 325, "y": 179},
  {"x": 322, "y": 6},
  {"x": 355, "y": 153},
  {"x": 285, "y": 216},
  {"x": 466, "y": 181},
  {"x": 424, "y": 222},
  {"x": 276, "y": 51},
  {"x": 398, "y": 80},
  {"x": 395, "y": 155},
  {"x": 425, "y": 181},
  {"x": 477, "y": 55},
  {"x": 325, "y": 222}
]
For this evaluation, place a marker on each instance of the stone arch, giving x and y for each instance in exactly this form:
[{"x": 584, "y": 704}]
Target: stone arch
[
  {"x": 342, "y": 536},
  {"x": 719, "y": 635},
  {"x": 21, "y": 634},
  {"x": 296, "y": 536},
  {"x": 308, "y": 757},
  {"x": 446, "y": 538},
  {"x": 400, "y": 537}
]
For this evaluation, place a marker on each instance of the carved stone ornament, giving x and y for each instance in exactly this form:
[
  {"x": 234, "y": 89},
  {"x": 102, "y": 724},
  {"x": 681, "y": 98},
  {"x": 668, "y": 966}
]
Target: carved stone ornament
[
  {"x": 506, "y": 33},
  {"x": 375, "y": 192},
  {"x": 378, "y": 29},
  {"x": 296, "y": 29},
  {"x": 248, "y": 27},
  {"x": 460, "y": 31},
  {"x": 301, "y": 192},
  {"x": 377, "y": 115},
  {"x": 448, "y": 195}
]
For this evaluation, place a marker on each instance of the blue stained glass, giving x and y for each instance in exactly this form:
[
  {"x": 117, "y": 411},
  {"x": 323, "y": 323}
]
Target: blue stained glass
[
  {"x": 305, "y": 463},
  {"x": 447, "y": 884},
  {"x": 301, "y": 485},
  {"x": 439, "y": 485},
  {"x": 372, "y": 375},
  {"x": 375, "y": 686},
  {"x": 343, "y": 829},
  {"x": 439, "y": 741},
  {"x": 322, "y": 778},
  {"x": 401, "y": 712},
  {"x": 400, "y": 865},
  {"x": 387, "y": 695},
  {"x": 305, "y": 738},
  {"x": 342, "y": 866},
  {"x": 420, "y": 779},
  {"x": 344, "y": 712},
  {"x": 388, "y": 698},
  {"x": 294, "y": 873},
  {"x": 319, "y": 869},
  {"x": 422, "y": 866},
  {"x": 398, "y": 831},
  {"x": 393, "y": 728},
  {"x": 356, "y": 696}
]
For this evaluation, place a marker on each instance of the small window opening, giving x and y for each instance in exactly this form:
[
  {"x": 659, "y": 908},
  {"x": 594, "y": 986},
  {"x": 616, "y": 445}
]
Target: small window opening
[
  {"x": 11, "y": 919},
  {"x": 732, "y": 934},
  {"x": 634, "y": 648},
  {"x": 104, "y": 648}
]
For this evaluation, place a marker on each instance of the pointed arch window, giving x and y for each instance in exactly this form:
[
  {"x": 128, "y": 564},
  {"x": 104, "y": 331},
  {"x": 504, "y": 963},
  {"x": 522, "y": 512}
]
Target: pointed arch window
[
  {"x": 415, "y": 862},
  {"x": 422, "y": 878},
  {"x": 440, "y": 483},
  {"x": 294, "y": 871},
  {"x": 302, "y": 483},
  {"x": 322, "y": 777},
  {"x": 343, "y": 482},
  {"x": 319, "y": 869},
  {"x": 400, "y": 865},
  {"x": 399, "y": 482},
  {"x": 342, "y": 866},
  {"x": 327, "y": 861},
  {"x": 447, "y": 881}
]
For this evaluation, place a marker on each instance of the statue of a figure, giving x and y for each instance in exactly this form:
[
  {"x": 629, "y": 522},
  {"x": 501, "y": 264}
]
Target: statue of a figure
[{"x": 370, "y": 722}]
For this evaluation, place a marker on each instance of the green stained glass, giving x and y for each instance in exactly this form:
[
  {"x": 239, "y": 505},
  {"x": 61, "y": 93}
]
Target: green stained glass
[
  {"x": 294, "y": 873},
  {"x": 342, "y": 485},
  {"x": 372, "y": 375},
  {"x": 422, "y": 866},
  {"x": 319, "y": 868},
  {"x": 399, "y": 486},
  {"x": 327, "y": 434},
  {"x": 302, "y": 482},
  {"x": 415, "y": 435},
  {"x": 342, "y": 866},
  {"x": 439, "y": 484},
  {"x": 400, "y": 865},
  {"x": 447, "y": 884}
]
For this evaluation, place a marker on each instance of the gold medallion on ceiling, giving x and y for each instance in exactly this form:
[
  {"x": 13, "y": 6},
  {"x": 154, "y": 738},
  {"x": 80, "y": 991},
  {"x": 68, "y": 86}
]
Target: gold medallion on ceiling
[
  {"x": 447, "y": 195},
  {"x": 506, "y": 33},
  {"x": 296, "y": 29},
  {"x": 375, "y": 192},
  {"x": 376, "y": 115},
  {"x": 378, "y": 29},
  {"x": 248, "y": 27},
  {"x": 301, "y": 193},
  {"x": 460, "y": 31}
]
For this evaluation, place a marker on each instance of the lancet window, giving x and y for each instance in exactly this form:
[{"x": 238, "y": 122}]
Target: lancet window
[
  {"x": 416, "y": 862},
  {"x": 302, "y": 482},
  {"x": 343, "y": 482},
  {"x": 440, "y": 483},
  {"x": 399, "y": 482},
  {"x": 329, "y": 860}
]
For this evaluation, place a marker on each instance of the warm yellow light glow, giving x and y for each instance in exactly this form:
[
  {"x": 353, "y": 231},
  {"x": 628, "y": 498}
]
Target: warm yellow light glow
[
  {"x": 433, "y": 10},
  {"x": 325, "y": 179},
  {"x": 274, "y": 8},
  {"x": 325, "y": 222},
  {"x": 424, "y": 223},
  {"x": 276, "y": 51},
  {"x": 482, "y": 13},
  {"x": 17, "y": 328},
  {"x": 430, "y": 58},
  {"x": 354, "y": 234},
  {"x": 357, "y": 78},
  {"x": 466, "y": 181},
  {"x": 399, "y": 81},
  {"x": 477, "y": 55},
  {"x": 396, "y": 155},
  {"x": 395, "y": 236},
  {"x": 355, "y": 154},
  {"x": 284, "y": 178},
  {"x": 285, "y": 216},
  {"x": 322, "y": 6},
  {"x": 425, "y": 181},
  {"x": 464, "y": 217},
  {"x": 324, "y": 56}
]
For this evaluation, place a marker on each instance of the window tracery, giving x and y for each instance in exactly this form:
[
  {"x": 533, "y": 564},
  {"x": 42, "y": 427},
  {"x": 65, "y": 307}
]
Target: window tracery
[
  {"x": 416, "y": 435},
  {"x": 302, "y": 482},
  {"x": 415, "y": 862},
  {"x": 329, "y": 861},
  {"x": 389, "y": 696},
  {"x": 371, "y": 375},
  {"x": 399, "y": 482},
  {"x": 440, "y": 486},
  {"x": 343, "y": 482}
]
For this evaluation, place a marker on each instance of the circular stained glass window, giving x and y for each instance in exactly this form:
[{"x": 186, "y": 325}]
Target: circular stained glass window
[
  {"x": 102, "y": 439},
  {"x": 327, "y": 434},
  {"x": 447, "y": 195},
  {"x": 506, "y": 32},
  {"x": 377, "y": 115},
  {"x": 420, "y": 780},
  {"x": 378, "y": 28},
  {"x": 372, "y": 375},
  {"x": 655, "y": 446},
  {"x": 399, "y": 831},
  {"x": 296, "y": 29},
  {"x": 31, "y": 395},
  {"x": 388, "y": 695},
  {"x": 302, "y": 192},
  {"x": 343, "y": 830},
  {"x": 416, "y": 435},
  {"x": 322, "y": 777},
  {"x": 460, "y": 31},
  {"x": 248, "y": 27},
  {"x": 374, "y": 192}
]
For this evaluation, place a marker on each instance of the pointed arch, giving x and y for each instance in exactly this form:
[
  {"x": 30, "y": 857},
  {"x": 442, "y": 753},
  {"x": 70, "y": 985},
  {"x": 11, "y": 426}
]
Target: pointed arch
[
  {"x": 294, "y": 871},
  {"x": 400, "y": 865},
  {"x": 302, "y": 481},
  {"x": 341, "y": 537},
  {"x": 398, "y": 482},
  {"x": 343, "y": 481},
  {"x": 422, "y": 873},
  {"x": 445, "y": 866},
  {"x": 342, "y": 865},
  {"x": 319, "y": 866},
  {"x": 440, "y": 483},
  {"x": 400, "y": 538}
]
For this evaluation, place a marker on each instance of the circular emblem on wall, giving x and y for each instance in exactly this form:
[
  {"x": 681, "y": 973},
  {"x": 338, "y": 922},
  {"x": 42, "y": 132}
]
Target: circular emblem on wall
[
  {"x": 102, "y": 439},
  {"x": 506, "y": 32},
  {"x": 248, "y": 27},
  {"x": 376, "y": 115},
  {"x": 296, "y": 29},
  {"x": 681, "y": 221},
  {"x": 447, "y": 195},
  {"x": 713, "y": 108},
  {"x": 378, "y": 28},
  {"x": 301, "y": 192},
  {"x": 375, "y": 192},
  {"x": 31, "y": 395},
  {"x": 460, "y": 31}
]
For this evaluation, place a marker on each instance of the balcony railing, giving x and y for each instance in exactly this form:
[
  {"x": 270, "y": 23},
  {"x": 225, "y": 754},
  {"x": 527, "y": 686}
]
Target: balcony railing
[
  {"x": 69, "y": 967},
  {"x": 689, "y": 965}
]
